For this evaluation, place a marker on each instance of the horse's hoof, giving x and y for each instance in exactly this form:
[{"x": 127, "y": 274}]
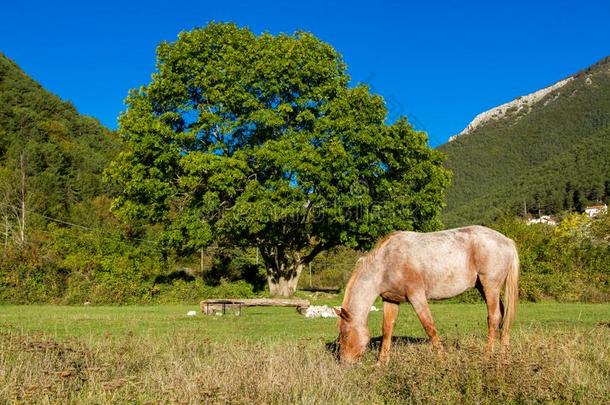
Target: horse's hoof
[
  {"x": 438, "y": 347},
  {"x": 439, "y": 352},
  {"x": 381, "y": 364},
  {"x": 487, "y": 356}
]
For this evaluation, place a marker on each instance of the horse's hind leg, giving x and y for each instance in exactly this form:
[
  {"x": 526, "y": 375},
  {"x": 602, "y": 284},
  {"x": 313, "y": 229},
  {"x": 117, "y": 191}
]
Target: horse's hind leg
[
  {"x": 491, "y": 294},
  {"x": 390, "y": 311},
  {"x": 420, "y": 305}
]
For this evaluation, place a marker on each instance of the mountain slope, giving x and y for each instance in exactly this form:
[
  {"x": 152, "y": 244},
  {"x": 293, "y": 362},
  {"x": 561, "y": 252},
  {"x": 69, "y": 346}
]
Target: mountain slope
[
  {"x": 544, "y": 150},
  {"x": 60, "y": 153}
]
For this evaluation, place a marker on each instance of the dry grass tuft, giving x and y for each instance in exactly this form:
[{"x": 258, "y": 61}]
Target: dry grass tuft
[
  {"x": 538, "y": 368},
  {"x": 542, "y": 366}
]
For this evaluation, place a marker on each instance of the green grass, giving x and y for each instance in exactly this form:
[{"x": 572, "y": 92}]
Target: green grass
[
  {"x": 275, "y": 324},
  {"x": 114, "y": 354}
]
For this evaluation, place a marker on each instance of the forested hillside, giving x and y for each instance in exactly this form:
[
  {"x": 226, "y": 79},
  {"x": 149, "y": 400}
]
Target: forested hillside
[
  {"x": 51, "y": 157},
  {"x": 59, "y": 241},
  {"x": 550, "y": 156}
]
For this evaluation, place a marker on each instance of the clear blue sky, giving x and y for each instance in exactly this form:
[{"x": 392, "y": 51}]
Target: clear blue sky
[{"x": 440, "y": 63}]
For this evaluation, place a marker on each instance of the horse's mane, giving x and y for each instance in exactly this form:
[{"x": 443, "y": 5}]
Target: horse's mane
[
  {"x": 363, "y": 263},
  {"x": 373, "y": 252},
  {"x": 383, "y": 241}
]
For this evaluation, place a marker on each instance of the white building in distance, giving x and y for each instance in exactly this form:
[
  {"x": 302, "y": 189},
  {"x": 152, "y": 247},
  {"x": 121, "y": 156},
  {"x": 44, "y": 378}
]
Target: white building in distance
[
  {"x": 544, "y": 219},
  {"x": 595, "y": 210}
]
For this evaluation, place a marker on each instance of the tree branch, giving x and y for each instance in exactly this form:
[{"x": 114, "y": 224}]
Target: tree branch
[{"x": 317, "y": 249}]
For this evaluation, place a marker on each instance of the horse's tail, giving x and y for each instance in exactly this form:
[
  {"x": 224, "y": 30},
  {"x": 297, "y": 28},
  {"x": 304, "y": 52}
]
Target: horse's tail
[{"x": 511, "y": 297}]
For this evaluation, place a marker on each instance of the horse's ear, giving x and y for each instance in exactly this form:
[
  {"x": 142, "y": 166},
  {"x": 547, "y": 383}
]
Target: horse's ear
[{"x": 342, "y": 313}]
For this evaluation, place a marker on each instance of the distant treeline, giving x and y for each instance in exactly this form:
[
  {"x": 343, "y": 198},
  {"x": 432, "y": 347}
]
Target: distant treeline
[{"x": 569, "y": 181}]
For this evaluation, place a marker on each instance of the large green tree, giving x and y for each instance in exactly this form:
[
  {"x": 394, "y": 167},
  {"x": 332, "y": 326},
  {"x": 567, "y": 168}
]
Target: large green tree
[{"x": 259, "y": 141}]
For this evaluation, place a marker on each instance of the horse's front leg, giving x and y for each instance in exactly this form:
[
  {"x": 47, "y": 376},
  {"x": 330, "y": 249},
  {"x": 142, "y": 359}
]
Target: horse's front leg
[
  {"x": 420, "y": 305},
  {"x": 390, "y": 312}
]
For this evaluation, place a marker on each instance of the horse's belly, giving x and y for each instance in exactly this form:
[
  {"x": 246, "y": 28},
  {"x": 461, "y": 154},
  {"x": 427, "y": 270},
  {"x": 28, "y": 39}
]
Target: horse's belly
[{"x": 449, "y": 283}]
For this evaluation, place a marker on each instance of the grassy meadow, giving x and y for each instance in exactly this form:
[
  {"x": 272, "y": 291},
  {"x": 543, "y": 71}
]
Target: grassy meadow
[{"x": 151, "y": 354}]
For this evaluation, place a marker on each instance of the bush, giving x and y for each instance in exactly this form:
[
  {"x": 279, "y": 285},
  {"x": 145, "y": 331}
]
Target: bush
[
  {"x": 568, "y": 262},
  {"x": 182, "y": 291},
  {"x": 75, "y": 266}
]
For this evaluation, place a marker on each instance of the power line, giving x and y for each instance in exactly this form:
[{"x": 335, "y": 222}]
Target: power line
[
  {"x": 59, "y": 221},
  {"x": 72, "y": 224},
  {"x": 105, "y": 237}
]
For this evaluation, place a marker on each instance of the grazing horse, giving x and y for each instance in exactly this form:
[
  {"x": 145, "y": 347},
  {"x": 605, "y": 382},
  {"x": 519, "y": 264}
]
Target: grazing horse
[{"x": 415, "y": 267}]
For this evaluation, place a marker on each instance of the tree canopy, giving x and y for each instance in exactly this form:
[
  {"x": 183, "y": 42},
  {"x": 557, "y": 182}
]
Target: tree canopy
[{"x": 253, "y": 140}]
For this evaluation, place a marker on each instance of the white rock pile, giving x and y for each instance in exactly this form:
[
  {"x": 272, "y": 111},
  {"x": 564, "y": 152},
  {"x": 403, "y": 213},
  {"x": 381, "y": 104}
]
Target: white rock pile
[
  {"x": 320, "y": 311},
  {"x": 324, "y": 311}
]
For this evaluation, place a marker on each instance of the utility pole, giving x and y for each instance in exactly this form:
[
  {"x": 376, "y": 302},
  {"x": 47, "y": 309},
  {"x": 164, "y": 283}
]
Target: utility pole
[
  {"x": 5, "y": 234},
  {"x": 309, "y": 274},
  {"x": 23, "y": 191}
]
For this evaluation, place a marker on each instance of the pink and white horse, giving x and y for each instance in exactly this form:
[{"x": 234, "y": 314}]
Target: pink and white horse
[{"x": 414, "y": 267}]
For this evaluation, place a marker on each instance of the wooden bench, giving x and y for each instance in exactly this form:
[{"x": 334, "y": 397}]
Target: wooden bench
[{"x": 213, "y": 306}]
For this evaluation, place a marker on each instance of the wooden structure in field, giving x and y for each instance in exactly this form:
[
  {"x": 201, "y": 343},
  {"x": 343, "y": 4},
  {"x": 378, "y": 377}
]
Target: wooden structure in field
[{"x": 212, "y": 306}]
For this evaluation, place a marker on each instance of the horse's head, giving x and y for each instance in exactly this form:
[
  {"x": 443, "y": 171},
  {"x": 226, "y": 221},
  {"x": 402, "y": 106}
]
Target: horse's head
[{"x": 353, "y": 339}]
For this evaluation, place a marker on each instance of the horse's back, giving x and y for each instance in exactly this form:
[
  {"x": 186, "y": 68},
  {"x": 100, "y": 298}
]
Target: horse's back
[
  {"x": 446, "y": 263},
  {"x": 490, "y": 250}
]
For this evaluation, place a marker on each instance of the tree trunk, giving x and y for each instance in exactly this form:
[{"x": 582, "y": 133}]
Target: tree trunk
[
  {"x": 283, "y": 281},
  {"x": 285, "y": 266},
  {"x": 282, "y": 287}
]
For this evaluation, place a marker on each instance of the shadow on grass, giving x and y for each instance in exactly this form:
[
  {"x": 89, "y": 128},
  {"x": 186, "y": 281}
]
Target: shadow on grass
[{"x": 375, "y": 343}]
